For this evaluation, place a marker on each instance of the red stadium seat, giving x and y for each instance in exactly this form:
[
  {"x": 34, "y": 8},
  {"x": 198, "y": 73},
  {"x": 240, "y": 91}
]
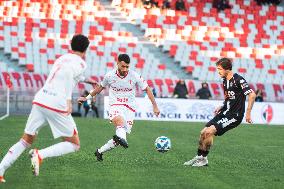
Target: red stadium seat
[
  {"x": 242, "y": 70},
  {"x": 281, "y": 67},
  {"x": 211, "y": 68},
  {"x": 197, "y": 39},
  {"x": 30, "y": 67},
  {"x": 272, "y": 71},
  {"x": 189, "y": 69}
]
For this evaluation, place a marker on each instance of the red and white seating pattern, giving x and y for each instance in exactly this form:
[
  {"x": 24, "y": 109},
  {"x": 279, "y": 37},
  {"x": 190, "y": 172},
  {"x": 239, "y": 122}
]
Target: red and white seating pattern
[
  {"x": 37, "y": 42},
  {"x": 164, "y": 87},
  {"x": 251, "y": 35},
  {"x": 53, "y": 9}
]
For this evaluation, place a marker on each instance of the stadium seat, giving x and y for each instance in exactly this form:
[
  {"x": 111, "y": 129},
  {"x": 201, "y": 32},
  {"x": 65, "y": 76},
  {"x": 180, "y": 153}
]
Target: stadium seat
[{"x": 226, "y": 32}]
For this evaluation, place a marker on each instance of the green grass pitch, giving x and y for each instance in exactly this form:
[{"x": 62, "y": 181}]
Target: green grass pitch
[{"x": 246, "y": 157}]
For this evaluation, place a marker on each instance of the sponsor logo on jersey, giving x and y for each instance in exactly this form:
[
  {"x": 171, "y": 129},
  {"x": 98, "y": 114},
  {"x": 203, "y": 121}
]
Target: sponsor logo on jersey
[
  {"x": 267, "y": 113},
  {"x": 248, "y": 91},
  {"x": 225, "y": 121},
  {"x": 121, "y": 89},
  {"x": 231, "y": 95}
]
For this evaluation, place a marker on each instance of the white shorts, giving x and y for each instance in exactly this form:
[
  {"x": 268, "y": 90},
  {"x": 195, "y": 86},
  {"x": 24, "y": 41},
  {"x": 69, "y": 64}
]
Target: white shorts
[
  {"x": 61, "y": 125},
  {"x": 123, "y": 111}
]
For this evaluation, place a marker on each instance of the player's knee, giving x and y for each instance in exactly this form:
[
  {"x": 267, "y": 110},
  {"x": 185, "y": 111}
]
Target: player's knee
[
  {"x": 118, "y": 121},
  {"x": 74, "y": 140},
  {"x": 77, "y": 147},
  {"x": 207, "y": 133},
  {"x": 204, "y": 133}
]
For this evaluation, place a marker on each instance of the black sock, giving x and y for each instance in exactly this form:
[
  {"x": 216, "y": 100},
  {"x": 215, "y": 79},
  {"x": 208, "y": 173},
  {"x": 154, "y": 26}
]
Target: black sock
[
  {"x": 199, "y": 152},
  {"x": 202, "y": 153},
  {"x": 205, "y": 153}
]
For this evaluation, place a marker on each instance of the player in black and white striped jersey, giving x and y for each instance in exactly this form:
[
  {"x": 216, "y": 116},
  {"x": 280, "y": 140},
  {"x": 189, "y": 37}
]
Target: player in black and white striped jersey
[{"x": 228, "y": 116}]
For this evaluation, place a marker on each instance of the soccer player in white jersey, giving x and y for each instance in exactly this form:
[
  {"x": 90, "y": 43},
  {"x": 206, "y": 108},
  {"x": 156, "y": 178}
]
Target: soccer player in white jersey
[
  {"x": 122, "y": 85},
  {"x": 52, "y": 104}
]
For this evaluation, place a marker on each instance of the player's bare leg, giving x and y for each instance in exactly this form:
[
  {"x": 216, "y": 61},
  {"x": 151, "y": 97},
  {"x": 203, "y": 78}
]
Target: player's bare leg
[
  {"x": 206, "y": 138},
  {"x": 205, "y": 143},
  {"x": 69, "y": 145},
  {"x": 14, "y": 153}
]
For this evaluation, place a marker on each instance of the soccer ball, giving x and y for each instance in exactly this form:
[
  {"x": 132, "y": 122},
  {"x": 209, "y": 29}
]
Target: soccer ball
[{"x": 163, "y": 144}]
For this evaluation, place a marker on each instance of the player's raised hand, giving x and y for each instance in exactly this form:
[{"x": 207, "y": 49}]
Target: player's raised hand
[
  {"x": 156, "y": 110},
  {"x": 81, "y": 99},
  {"x": 248, "y": 117}
]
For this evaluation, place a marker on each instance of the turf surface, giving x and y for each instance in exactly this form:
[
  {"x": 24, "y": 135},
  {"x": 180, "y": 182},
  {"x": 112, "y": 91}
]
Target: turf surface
[{"x": 247, "y": 157}]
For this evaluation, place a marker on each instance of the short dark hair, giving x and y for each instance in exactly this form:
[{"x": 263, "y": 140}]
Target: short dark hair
[
  {"x": 225, "y": 63},
  {"x": 79, "y": 43},
  {"x": 124, "y": 57}
]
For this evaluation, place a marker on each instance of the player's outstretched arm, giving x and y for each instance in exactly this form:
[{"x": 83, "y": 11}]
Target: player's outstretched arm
[
  {"x": 91, "y": 81},
  {"x": 153, "y": 101},
  {"x": 96, "y": 90},
  {"x": 251, "y": 98},
  {"x": 92, "y": 94}
]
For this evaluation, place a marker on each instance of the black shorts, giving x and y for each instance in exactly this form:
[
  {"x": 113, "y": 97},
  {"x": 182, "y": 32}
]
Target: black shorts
[{"x": 224, "y": 123}]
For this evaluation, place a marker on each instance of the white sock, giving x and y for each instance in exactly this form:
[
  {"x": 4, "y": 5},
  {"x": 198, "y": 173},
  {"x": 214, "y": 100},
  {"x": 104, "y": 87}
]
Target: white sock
[
  {"x": 108, "y": 146},
  {"x": 58, "y": 149},
  {"x": 12, "y": 155},
  {"x": 121, "y": 132}
]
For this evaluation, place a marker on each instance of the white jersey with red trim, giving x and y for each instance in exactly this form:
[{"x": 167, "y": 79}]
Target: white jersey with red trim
[
  {"x": 66, "y": 72},
  {"x": 122, "y": 90}
]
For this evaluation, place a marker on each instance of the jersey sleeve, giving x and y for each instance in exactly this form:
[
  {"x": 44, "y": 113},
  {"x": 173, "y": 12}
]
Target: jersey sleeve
[
  {"x": 244, "y": 86},
  {"x": 142, "y": 84},
  {"x": 105, "y": 81}
]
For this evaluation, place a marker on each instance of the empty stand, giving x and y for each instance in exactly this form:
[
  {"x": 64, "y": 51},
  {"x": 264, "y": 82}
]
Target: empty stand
[{"x": 247, "y": 33}]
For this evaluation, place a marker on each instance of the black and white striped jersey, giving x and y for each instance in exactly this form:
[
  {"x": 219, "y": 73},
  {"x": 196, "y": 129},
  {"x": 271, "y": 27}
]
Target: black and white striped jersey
[{"x": 235, "y": 91}]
